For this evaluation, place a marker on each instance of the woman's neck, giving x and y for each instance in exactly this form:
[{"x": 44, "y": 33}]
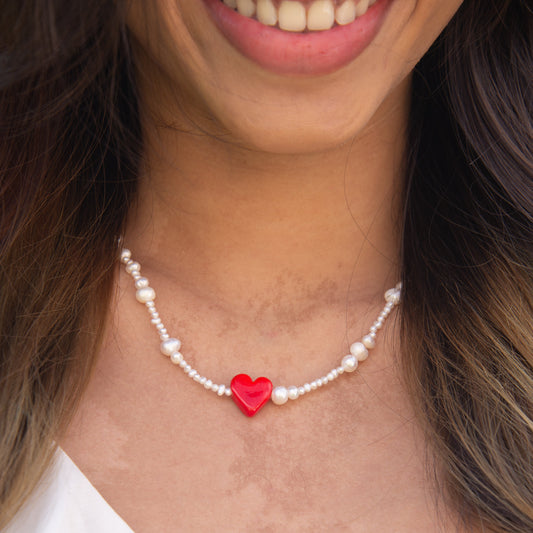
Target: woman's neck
[{"x": 223, "y": 219}]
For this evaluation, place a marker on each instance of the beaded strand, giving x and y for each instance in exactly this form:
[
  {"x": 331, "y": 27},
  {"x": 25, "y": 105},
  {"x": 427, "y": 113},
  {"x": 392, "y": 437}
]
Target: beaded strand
[{"x": 170, "y": 346}]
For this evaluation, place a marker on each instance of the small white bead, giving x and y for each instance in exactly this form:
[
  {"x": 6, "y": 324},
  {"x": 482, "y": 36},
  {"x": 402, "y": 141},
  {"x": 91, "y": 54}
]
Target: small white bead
[
  {"x": 324, "y": 380},
  {"x": 192, "y": 373},
  {"x": 182, "y": 363},
  {"x": 150, "y": 306},
  {"x": 340, "y": 370},
  {"x": 280, "y": 395},
  {"x": 221, "y": 390},
  {"x": 349, "y": 363},
  {"x": 314, "y": 385},
  {"x": 176, "y": 358},
  {"x": 170, "y": 346},
  {"x": 155, "y": 321},
  {"x": 330, "y": 376},
  {"x": 307, "y": 387},
  {"x": 161, "y": 328},
  {"x": 373, "y": 330},
  {"x": 227, "y": 392},
  {"x": 369, "y": 342},
  {"x": 132, "y": 266},
  {"x": 379, "y": 323},
  {"x": 187, "y": 368},
  {"x": 214, "y": 387},
  {"x": 146, "y": 294},
  {"x": 293, "y": 392},
  {"x": 203, "y": 379},
  {"x": 208, "y": 384},
  {"x": 125, "y": 255},
  {"x": 335, "y": 373},
  {"x": 153, "y": 313},
  {"x": 198, "y": 378},
  {"x": 141, "y": 283},
  {"x": 301, "y": 391},
  {"x": 318, "y": 382},
  {"x": 164, "y": 337}
]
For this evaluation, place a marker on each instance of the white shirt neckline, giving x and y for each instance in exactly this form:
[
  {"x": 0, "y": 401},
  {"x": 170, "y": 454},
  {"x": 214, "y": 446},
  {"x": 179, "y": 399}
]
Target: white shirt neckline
[{"x": 65, "y": 501}]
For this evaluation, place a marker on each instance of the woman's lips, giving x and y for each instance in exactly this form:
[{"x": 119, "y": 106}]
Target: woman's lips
[{"x": 310, "y": 53}]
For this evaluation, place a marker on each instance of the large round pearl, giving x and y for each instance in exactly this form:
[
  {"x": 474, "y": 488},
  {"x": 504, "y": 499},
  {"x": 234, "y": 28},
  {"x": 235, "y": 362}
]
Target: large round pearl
[
  {"x": 349, "y": 363},
  {"x": 359, "y": 350},
  {"x": 170, "y": 346},
  {"x": 146, "y": 294},
  {"x": 280, "y": 395}
]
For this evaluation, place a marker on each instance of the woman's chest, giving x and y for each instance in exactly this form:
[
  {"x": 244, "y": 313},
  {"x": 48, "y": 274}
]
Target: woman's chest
[{"x": 349, "y": 460}]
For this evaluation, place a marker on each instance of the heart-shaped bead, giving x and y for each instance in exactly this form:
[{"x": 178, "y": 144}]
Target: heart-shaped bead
[{"x": 250, "y": 395}]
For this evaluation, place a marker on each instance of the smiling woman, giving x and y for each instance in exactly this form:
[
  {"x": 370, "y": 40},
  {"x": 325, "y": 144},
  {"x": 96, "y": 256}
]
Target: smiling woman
[{"x": 307, "y": 185}]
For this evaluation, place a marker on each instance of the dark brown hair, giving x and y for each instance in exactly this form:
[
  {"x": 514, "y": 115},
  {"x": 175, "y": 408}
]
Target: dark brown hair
[{"x": 69, "y": 157}]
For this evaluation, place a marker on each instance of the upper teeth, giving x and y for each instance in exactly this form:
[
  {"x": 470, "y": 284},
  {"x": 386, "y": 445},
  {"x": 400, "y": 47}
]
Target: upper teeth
[{"x": 292, "y": 15}]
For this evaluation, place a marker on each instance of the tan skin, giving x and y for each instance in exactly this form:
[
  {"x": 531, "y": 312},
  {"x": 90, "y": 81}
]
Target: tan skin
[{"x": 269, "y": 234}]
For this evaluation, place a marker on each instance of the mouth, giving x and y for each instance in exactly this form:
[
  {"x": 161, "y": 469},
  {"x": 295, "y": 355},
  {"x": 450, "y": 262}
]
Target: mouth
[
  {"x": 301, "y": 16},
  {"x": 299, "y": 37}
]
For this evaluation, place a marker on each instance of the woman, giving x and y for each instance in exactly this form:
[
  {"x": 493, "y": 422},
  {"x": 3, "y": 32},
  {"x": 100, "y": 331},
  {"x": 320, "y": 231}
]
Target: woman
[{"x": 274, "y": 168}]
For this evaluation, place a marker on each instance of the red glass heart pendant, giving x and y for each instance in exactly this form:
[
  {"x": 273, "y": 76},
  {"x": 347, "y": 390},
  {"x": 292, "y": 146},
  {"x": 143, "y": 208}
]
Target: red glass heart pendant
[{"x": 250, "y": 395}]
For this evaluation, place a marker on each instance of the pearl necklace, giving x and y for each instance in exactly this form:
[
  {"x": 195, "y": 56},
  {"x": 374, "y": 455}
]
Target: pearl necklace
[{"x": 250, "y": 395}]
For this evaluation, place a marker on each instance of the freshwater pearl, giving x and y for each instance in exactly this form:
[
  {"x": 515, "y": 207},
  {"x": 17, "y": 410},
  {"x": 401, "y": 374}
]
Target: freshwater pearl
[
  {"x": 125, "y": 255},
  {"x": 280, "y": 395},
  {"x": 132, "y": 266},
  {"x": 359, "y": 350},
  {"x": 369, "y": 341},
  {"x": 170, "y": 346},
  {"x": 146, "y": 294},
  {"x": 141, "y": 283},
  {"x": 176, "y": 358},
  {"x": 292, "y": 392},
  {"x": 349, "y": 363}
]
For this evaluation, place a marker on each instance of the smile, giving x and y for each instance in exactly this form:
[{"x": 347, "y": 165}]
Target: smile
[
  {"x": 307, "y": 38},
  {"x": 296, "y": 16}
]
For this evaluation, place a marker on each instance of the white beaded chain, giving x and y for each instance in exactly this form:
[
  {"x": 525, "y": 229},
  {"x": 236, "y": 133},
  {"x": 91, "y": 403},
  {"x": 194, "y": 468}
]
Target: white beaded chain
[{"x": 171, "y": 346}]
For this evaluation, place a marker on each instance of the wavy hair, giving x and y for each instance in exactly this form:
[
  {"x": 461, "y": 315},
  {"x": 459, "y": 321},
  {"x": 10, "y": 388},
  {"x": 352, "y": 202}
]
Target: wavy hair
[{"x": 69, "y": 161}]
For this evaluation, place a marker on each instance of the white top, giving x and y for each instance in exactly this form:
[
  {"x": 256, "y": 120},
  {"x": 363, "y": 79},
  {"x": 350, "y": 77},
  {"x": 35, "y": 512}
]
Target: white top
[{"x": 66, "y": 502}]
